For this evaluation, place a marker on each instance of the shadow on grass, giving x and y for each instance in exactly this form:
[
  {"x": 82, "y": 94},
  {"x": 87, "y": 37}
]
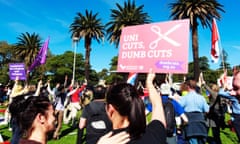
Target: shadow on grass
[
  {"x": 5, "y": 137},
  {"x": 67, "y": 131},
  {"x": 229, "y": 136},
  {"x": 4, "y": 132},
  {"x": 3, "y": 127}
]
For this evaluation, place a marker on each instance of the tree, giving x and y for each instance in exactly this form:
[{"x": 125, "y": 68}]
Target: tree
[
  {"x": 114, "y": 77},
  {"x": 202, "y": 11},
  {"x": 6, "y": 53},
  {"x": 88, "y": 27},
  {"x": 61, "y": 65},
  {"x": 103, "y": 74},
  {"x": 127, "y": 15},
  {"x": 113, "y": 64},
  {"x": 27, "y": 47},
  {"x": 203, "y": 66},
  {"x": 203, "y": 63},
  {"x": 6, "y": 56}
]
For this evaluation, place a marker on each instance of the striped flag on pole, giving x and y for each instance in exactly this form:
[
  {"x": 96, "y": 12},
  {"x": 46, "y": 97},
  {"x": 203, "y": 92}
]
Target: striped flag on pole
[
  {"x": 132, "y": 77},
  {"x": 215, "y": 53},
  {"x": 41, "y": 57}
]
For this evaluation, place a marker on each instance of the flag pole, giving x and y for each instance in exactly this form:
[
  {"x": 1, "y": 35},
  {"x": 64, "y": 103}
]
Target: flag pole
[{"x": 220, "y": 46}]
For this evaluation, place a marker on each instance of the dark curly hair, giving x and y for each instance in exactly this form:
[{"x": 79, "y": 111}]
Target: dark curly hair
[{"x": 25, "y": 108}]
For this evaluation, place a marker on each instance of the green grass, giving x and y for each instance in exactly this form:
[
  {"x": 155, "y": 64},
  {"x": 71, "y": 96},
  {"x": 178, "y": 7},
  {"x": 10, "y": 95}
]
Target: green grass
[
  {"x": 69, "y": 134},
  {"x": 227, "y": 136}
]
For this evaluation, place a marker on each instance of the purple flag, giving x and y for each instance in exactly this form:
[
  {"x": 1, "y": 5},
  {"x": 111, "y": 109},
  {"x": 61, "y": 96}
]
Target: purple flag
[{"x": 41, "y": 57}]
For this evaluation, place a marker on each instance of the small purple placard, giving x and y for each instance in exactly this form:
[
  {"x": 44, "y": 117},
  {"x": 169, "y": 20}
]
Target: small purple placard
[{"x": 17, "y": 70}]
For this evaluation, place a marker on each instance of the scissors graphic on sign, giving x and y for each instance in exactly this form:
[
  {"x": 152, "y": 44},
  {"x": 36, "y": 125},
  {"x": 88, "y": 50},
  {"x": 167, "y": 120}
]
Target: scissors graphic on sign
[{"x": 157, "y": 30}]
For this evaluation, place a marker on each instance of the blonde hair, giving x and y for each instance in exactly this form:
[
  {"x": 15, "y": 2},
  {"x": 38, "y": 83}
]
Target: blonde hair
[
  {"x": 17, "y": 90},
  {"x": 215, "y": 87},
  {"x": 87, "y": 97}
]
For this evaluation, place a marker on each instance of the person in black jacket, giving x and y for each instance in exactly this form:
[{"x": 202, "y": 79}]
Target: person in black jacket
[{"x": 94, "y": 118}]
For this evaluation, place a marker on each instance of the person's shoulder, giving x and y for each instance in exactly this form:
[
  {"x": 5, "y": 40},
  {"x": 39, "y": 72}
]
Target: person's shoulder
[
  {"x": 173, "y": 101},
  {"x": 87, "y": 106},
  {"x": 176, "y": 104},
  {"x": 194, "y": 94},
  {"x": 199, "y": 94},
  {"x": 97, "y": 103},
  {"x": 154, "y": 124},
  {"x": 155, "y": 133},
  {"x": 95, "y": 106},
  {"x": 25, "y": 141}
]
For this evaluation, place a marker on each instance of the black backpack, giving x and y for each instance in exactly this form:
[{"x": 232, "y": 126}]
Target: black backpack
[
  {"x": 218, "y": 115},
  {"x": 170, "y": 117},
  {"x": 98, "y": 124}
]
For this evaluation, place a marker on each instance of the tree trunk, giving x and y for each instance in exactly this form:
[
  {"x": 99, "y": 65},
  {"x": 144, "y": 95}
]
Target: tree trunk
[
  {"x": 195, "y": 49},
  {"x": 87, "y": 57}
]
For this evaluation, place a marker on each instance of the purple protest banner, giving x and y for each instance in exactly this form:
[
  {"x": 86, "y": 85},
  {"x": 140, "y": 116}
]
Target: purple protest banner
[{"x": 17, "y": 70}]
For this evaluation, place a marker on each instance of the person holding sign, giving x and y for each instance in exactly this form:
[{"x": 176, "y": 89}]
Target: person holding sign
[{"x": 126, "y": 110}]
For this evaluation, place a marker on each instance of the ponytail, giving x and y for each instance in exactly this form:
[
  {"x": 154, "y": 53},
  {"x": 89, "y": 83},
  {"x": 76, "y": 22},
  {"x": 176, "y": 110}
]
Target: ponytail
[
  {"x": 137, "y": 118},
  {"x": 124, "y": 97}
]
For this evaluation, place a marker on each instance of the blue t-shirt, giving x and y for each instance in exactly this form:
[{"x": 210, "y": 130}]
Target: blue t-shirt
[
  {"x": 177, "y": 107},
  {"x": 194, "y": 102}
]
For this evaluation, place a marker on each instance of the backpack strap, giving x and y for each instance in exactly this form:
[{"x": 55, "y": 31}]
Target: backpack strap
[{"x": 216, "y": 101}]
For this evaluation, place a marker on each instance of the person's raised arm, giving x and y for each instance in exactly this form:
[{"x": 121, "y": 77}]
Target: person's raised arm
[
  {"x": 157, "y": 107},
  {"x": 65, "y": 81},
  {"x": 202, "y": 82},
  {"x": 37, "y": 93},
  {"x": 50, "y": 91},
  {"x": 14, "y": 87}
]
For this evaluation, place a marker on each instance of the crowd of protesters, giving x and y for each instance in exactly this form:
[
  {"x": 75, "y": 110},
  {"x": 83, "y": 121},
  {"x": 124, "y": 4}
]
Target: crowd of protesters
[{"x": 125, "y": 109}]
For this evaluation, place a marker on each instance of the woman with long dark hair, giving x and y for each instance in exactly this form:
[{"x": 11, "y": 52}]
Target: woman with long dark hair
[{"x": 126, "y": 110}]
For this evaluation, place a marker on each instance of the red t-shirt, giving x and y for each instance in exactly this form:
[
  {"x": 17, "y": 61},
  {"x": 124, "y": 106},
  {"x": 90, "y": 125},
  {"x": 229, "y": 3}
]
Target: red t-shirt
[{"x": 75, "y": 95}]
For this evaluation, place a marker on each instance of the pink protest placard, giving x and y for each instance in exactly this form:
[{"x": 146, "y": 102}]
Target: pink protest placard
[{"x": 162, "y": 47}]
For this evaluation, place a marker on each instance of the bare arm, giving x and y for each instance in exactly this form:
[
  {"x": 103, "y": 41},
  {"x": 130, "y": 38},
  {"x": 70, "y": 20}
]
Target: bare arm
[
  {"x": 14, "y": 88},
  {"x": 82, "y": 123},
  {"x": 65, "y": 81},
  {"x": 37, "y": 93},
  {"x": 184, "y": 118},
  {"x": 212, "y": 92},
  {"x": 49, "y": 89},
  {"x": 157, "y": 108}
]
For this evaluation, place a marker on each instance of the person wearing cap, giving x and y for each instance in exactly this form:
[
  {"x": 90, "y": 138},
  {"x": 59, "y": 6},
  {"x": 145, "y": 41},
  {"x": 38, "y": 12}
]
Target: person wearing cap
[{"x": 165, "y": 92}]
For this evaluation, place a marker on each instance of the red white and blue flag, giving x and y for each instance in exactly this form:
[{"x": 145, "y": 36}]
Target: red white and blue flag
[
  {"x": 41, "y": 57},
  {"x": 215, "y": 53},
  {"x": 132, "y": 78}
]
